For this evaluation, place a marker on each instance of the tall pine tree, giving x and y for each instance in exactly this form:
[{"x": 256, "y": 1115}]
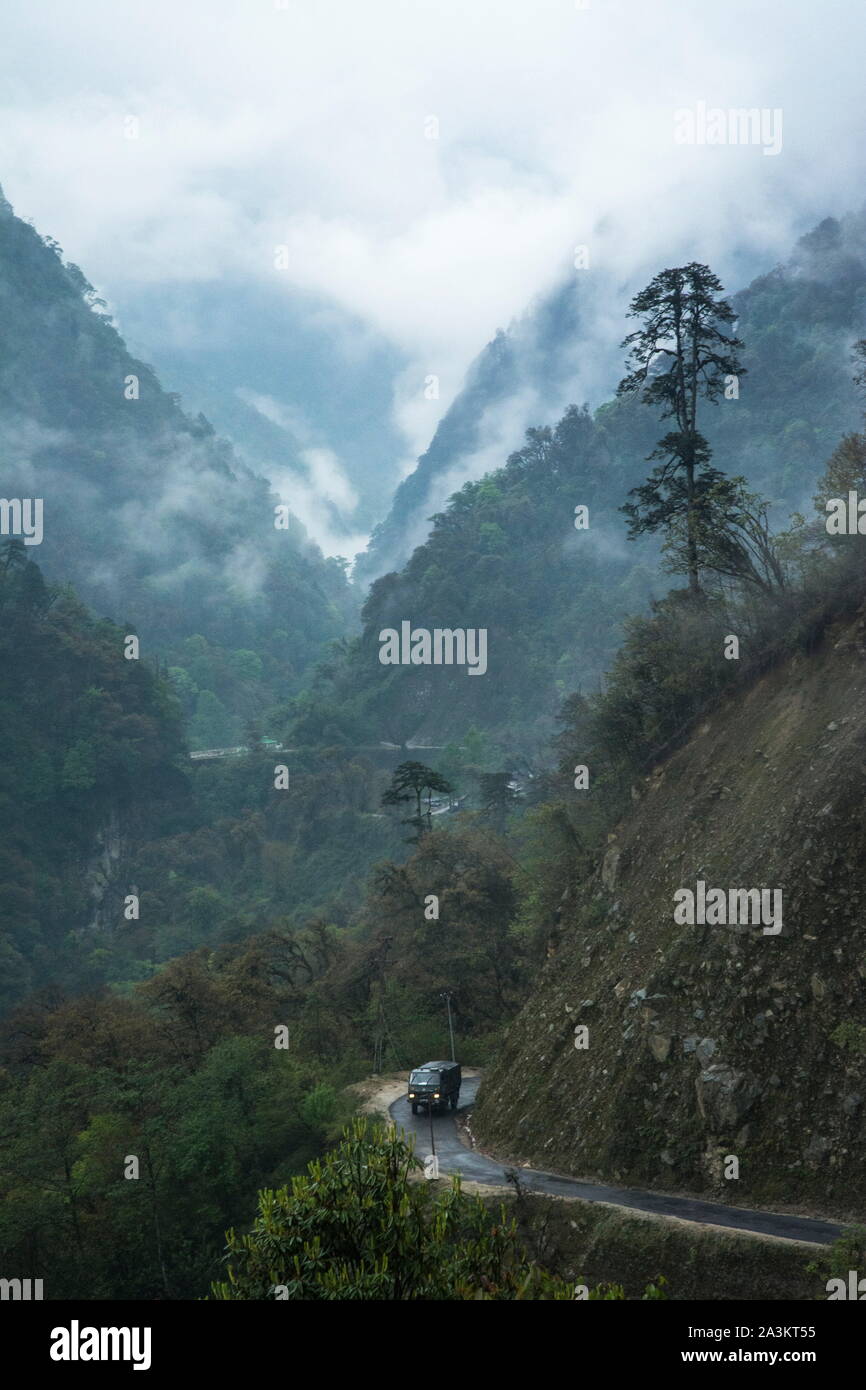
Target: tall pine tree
[{"x": 680, "y": 353}]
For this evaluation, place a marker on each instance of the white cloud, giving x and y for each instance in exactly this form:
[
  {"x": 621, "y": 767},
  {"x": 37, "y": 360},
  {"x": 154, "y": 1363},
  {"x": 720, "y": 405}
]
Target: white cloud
[
  {"x": 306, "y": 127},
  {"x": 325, "y": 499}
]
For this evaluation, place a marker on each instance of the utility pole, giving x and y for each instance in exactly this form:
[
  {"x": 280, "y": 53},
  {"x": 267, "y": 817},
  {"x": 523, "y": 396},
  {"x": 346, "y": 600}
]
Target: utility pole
[{"x": 448, "y": 996}]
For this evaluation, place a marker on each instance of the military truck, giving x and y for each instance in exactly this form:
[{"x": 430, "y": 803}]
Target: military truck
[{"x": 434, "y": 1086}]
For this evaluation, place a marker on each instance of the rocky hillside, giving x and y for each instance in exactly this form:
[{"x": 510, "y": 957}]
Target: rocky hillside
[{"x": 711, "y": 1041}]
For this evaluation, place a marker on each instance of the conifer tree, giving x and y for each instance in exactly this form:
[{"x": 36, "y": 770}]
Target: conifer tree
[{"x": 680, "y": 353}]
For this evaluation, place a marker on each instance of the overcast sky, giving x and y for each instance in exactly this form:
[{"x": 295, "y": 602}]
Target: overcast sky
[{"x": 307, "y": 126}]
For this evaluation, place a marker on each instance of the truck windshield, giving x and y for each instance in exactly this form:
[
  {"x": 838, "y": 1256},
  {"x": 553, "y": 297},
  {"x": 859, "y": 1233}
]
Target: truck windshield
[{"x": 424, "y": 1078}]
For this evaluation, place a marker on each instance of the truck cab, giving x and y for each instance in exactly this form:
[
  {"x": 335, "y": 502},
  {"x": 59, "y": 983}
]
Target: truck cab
[{"x": 434, "y": 1086}]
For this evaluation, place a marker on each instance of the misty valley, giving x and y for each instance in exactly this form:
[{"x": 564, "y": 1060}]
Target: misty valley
[{"x": 345, "y": 356}]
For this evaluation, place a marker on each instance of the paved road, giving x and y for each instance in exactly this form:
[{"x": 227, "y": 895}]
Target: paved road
[
  {"x": 455, "y": 1157},
  {"x": 350, "y": 748}
]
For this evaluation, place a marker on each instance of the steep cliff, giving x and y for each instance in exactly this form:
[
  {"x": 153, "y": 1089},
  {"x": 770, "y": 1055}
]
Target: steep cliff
[{"x": 711, "y": 1042}]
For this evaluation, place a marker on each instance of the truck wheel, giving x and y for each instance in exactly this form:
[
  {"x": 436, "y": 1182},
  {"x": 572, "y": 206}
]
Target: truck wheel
[
  {"x": 454, "y": 1100},
  {"x": 414, "y": 1109}
]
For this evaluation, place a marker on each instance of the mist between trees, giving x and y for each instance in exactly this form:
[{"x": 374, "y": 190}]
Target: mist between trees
[{"x": 156, "y": 1039}]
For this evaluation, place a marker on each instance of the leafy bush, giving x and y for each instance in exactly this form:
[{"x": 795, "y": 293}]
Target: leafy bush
[{"x": 358, "y": 1227}]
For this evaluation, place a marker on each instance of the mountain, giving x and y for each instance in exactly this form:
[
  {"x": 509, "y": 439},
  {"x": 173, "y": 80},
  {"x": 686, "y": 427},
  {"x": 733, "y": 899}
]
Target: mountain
[
  {"x": 504, "y": 554},
  {"x": 711, "y": 1041},
  {"x": 92, "y": 761},
  {"x": 303, "y": 390},
  {"x": 153, "y": 518},
  {"x": 524, "y": 375},
  {"x": 504, "y": 557},
  {"x": 797, "y": 322}
]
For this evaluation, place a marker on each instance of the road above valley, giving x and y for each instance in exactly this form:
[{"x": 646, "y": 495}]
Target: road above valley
[{"x": 454, "y": 1157}]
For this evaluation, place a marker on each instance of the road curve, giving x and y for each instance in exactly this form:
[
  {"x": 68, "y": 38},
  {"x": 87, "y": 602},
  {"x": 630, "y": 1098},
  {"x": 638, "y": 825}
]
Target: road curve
[{"x": 455, "y": 1157}]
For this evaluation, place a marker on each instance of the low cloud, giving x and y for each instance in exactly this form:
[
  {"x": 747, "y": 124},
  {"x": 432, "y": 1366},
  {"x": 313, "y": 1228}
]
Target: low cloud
[
  {"x": 307, "y": 128},
  {"x": 316, "y": 488}
]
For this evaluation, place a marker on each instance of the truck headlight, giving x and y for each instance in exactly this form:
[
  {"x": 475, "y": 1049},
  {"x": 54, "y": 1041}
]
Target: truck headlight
[
  {"x": 411, "y": 1095},
  {"x": 436, "y": 1095}
]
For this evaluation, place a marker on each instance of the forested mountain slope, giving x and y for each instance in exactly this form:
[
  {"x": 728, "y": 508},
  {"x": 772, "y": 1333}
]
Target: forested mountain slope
[
  {"x": 797, "y": 322},
  {"x": 521, "y": 376},
  {"x": 290, "y": 378},
  {"x": 116, "y": 851},
  {"x": 505, "y": 555},
  {"x": 148, "y": 513},
  {"x": 85, "y": 769}
]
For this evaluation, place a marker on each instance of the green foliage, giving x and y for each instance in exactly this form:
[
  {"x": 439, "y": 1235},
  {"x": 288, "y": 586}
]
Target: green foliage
[
  {"x": 413, "y": 779},
  {"x": 669, "y": 664},
  {"x": 185, "y": 1078},
  {"x": 845, "y": 470},
  {"x": 733, "y": 540},
  {"x": 554, "y": 600},
  {"x": 679, "y": 355},
  {"x": 77, "y": 773},
  {"x": 846, "y": 1253},
  {"x": 497, "y": 797},
  {"x": 610, "y": 1292},
  {"x": 469, "y": 947},
  {"x": 357, "y": 1227},
  {"x": 211, "y": 725},
  {"x": 672, "y": 667},
  {"x": 850, "y": 1036},
  {"x": 161, "y": 520},
  {"x": 538, "y": 592},
  {"x": 319, "y": 1107},
  {"x": 104, "y": 747}
]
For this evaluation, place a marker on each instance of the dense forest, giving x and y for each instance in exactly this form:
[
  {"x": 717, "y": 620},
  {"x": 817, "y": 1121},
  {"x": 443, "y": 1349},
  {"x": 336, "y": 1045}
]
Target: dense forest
[
  {"x": 796, "y": 321},
  {"x": 148, "y": 514},
  {"x": 201, "y": 955},
  {"x": 507, "y": 553}
]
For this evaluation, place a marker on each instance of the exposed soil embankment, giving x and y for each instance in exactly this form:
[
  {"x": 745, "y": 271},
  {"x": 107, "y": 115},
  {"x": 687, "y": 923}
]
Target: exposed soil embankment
[{"x": 721, "y": 1059}]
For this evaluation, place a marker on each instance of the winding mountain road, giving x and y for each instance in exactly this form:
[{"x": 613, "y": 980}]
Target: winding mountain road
[{"x": 454, "y": 1157}]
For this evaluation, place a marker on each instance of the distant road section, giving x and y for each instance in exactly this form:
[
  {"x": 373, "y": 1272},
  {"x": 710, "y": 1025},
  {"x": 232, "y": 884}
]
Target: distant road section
[
  {"x": 218, "y": 753},
  {"x": 269, "y": 746}
]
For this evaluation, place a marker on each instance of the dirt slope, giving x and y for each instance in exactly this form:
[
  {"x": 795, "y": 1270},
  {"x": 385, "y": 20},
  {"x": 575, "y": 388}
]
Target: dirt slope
[{"x": 715, "y": 1040}]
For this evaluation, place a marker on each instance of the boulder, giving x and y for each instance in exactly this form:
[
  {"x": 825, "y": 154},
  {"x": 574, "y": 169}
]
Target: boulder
[{"x": 725, "y": 1096}]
